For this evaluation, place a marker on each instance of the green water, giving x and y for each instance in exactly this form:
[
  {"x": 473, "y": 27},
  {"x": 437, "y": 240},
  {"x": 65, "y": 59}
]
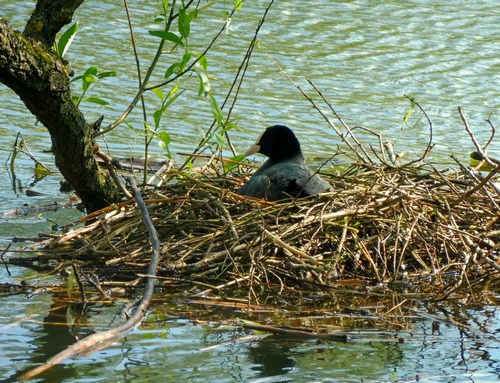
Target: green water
[{"x": 364, "y": 57}]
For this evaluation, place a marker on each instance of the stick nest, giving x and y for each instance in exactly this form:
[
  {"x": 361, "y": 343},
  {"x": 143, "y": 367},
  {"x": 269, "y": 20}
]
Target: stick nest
[{"x": 379, "y": 223}]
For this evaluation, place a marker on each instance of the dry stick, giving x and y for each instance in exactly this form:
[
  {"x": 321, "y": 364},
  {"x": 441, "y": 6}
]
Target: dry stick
[
  {"x": 147, "y": 139},
  {"x": 3, "y": 260},
  {"x": 481, "y": 180},
  {"x": 480, "y": 185},
  {"x": 340, "y": 248},
  {"x": 278, "y": 241},
  {"x": 429, "y": 144},
  {"x": 493, "y": 132},
  {"x": 473, "y": 138},
  {"x": 292, "y": 332},
  {"x": 219, "y": 287},
  {"x": 243, "y": 69},
  {"x": 346, "y": 127},
  {"x": 467, "y": 255},
  {"x": 103, "y": 339},
  {"x": 79, "y": 281},
  {"x": 315, "y": 106},
  {"x": 364, "y": 250}
]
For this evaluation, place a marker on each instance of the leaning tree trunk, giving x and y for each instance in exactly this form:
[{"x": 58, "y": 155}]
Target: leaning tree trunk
[{"x": 40, "y": 78}]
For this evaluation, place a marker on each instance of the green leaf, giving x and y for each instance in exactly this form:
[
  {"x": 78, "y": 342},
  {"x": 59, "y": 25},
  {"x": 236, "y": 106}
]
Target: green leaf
[
  {"x": 66, "y": 39},
  {"x": 167, "y": 101},
  {"x": 41, "y": 171},
  {"x": 164, "y": 139},
  {"x": 159, "y": 93},
  {"x": 89, "y": 78},
  {"x": 238, "y": 158},
  {"x": 408, "y": 114},
  {"x": 173, "y": 91},
  {"x": 91, "y": 70},
  {"x": 171, "y": 99},
  {"x": 204, "y": 83},
  {"x": 219, "y": 137},
  {"x": 216, "y": 110},
  {"x": 233, "y": 161},
  {"x": 202, "y": 60},
  {"x": 172, "y": 69},
  {"x": 97, "y": 100},
  {"x": 238, "y": 5},
  {"x": 164, "y": 6},
  {"x": 169, "y": 36},
  {"x": 185, "y": 59},
  {"x": 184, "y": 24},
  {"x": 157, "y": 117}
]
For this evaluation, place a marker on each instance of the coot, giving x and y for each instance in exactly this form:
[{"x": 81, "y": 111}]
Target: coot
[{"x": 284, "y": 174}]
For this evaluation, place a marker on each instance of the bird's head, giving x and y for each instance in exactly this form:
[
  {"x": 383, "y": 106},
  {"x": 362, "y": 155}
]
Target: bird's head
[{"x": 278, "y": 142}]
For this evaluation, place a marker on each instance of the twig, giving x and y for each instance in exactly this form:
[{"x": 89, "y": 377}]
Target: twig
[
  {"x": 493, "y": 131},
  {"x": 1, "y": 257},
  {"x": 473, "y": 138},
  {"x": 278, "y": 241},
  {"x": 342, "y": 136},
  {"x": 480, "y": 185},
  {"x": 429, "y": 144},
  {"x": 346, "y": 127},
  {"x": 292, "y": 332},
  {"x": 79, "y": 281},
  {"x": 238, "y": 80}
]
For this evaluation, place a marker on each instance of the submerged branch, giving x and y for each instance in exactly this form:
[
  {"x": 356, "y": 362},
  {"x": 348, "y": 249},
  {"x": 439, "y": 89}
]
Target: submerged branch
[{"x": 103, "y": 339}]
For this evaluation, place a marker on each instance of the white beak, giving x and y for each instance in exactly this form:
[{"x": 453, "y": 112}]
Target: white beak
[{"x": 253, "y": 149}]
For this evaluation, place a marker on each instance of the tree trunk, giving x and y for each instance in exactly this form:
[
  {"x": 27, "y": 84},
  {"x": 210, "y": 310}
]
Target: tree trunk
[{"x": 40, "y": 78}]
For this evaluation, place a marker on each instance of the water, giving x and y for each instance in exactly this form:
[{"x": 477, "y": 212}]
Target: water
[
  {"x": 171, "y": 348},
  {"x": 364, "y": 58}
]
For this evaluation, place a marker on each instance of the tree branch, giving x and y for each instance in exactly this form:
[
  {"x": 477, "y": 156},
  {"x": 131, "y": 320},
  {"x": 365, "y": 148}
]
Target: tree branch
[
  {"x": 48, "y": 19},
  {"x": 41, "y": 81}
]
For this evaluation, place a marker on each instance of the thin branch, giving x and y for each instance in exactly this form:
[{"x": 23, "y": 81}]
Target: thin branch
[
  {"x": 346, "y": 127},
  {"x": 493, "y": 131},
  {"x": 429, "y": 144},
  {"x": 473, "y": 138},
  {"x": 238, "y": 79}
]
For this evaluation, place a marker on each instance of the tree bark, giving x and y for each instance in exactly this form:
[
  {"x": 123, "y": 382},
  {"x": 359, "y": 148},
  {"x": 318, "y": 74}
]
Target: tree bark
[{"x": 41, "y": 80}]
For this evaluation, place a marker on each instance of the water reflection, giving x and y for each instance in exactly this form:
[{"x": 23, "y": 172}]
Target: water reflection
[
  {"x": 271, "y": 357},
  {"x": 62, "y": 326}
]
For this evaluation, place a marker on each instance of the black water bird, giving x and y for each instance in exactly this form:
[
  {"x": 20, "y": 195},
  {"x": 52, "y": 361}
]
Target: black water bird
[{"x": 284, "y": 174}]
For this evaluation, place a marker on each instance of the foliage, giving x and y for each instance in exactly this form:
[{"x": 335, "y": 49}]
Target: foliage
[
  {"x": 187, "y": 62},
  {"x": 62, "y": 46},
  {"x": 89, "y": 77}
]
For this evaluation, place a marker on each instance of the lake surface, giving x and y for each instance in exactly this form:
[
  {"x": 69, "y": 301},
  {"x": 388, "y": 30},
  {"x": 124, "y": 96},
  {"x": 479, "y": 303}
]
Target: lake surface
[{"x": 364, "y": 57}]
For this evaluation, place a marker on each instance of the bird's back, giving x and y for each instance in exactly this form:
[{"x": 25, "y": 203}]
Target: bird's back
[{"x": 284, "y": 180}]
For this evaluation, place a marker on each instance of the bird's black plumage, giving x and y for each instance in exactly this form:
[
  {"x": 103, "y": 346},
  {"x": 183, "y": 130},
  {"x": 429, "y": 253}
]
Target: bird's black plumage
[{"x": 284, "y": 174}]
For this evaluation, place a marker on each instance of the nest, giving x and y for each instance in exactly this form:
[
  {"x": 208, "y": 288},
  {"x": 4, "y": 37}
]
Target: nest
[{"x": 379, "y": 223}]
